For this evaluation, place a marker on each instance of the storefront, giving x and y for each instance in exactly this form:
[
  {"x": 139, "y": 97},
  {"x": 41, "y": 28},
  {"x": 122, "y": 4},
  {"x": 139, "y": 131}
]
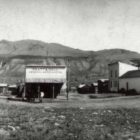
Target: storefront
[{"x": 46, "y": 79}]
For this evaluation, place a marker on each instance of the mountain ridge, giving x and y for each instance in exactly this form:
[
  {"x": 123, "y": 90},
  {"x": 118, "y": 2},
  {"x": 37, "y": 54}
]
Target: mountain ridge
[
  {"x": 35, "y": 47},
  {"x": 85, "y": 66}
]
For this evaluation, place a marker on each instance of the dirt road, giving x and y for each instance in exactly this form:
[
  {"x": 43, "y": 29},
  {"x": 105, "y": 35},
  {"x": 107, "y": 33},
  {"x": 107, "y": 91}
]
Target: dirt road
[{"x": 83, "y": 101}]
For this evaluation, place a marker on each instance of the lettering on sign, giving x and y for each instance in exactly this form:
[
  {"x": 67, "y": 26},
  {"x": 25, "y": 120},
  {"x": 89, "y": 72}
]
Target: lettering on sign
[{"x": 38, "y": 74}]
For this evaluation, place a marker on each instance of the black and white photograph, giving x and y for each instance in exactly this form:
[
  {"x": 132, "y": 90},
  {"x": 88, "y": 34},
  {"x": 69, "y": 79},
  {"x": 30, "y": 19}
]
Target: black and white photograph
[{"x": 69, "y": 69}]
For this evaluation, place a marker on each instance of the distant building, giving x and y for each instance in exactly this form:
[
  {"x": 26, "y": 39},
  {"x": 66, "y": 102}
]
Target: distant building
[
  {"x": 103, "y": 85},
  {"x": 130, "y": 80},
  {"x": 117, "y": 69},
  {"x": 12, "y": 89},
  {"x": 3, "y": 88}
]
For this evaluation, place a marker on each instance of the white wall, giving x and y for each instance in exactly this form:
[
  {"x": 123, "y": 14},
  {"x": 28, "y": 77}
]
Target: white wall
[
  {"x": 120, "y": 68},
  {"x": 123, "y": 68},
  {"x": 133, "y": 83}
]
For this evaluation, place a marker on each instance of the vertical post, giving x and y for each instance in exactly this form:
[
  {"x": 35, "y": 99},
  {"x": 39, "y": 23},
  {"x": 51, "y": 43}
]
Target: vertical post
[
  {"x": 67, "y": 90},
  {"x": 24, "y": 93},
  {"x": 39, "y": 92},
  {"x": 53, "y": 91}
]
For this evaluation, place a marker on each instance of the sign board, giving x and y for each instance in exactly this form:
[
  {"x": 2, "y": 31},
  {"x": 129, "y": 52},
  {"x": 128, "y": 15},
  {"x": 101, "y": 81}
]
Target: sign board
[{"x": 45, "y": 74}]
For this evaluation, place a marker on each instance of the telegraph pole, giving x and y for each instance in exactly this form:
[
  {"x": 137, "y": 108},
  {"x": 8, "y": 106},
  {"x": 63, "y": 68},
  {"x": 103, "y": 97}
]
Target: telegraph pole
[{"x": 67, "y": 90}]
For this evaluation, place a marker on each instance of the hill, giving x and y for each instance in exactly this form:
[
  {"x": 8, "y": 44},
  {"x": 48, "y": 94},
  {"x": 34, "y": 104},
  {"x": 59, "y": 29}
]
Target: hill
[
  {"x": 37, "y": 48},
  {"x": 85, "y": 66}
]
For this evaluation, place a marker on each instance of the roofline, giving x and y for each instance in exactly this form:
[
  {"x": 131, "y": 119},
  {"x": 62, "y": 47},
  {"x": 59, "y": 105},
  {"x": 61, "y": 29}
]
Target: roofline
[
  {"x": 122, "y": 77},
  {"x": 114, "y": 62},
  {"x": 133, "y": 64},
  {"x": 48, "y": 66},
  {"x": 129, "y": 77}
]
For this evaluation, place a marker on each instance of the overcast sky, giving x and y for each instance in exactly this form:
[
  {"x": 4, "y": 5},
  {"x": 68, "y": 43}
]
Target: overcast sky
[{"x": 83, "y": 24}]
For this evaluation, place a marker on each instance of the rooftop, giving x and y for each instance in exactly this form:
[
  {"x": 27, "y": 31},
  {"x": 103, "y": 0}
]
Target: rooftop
[
  {"x": 46, "y": 66},
  {"x": 124, "y": 61},
  {"x": 131, "y": 74}
]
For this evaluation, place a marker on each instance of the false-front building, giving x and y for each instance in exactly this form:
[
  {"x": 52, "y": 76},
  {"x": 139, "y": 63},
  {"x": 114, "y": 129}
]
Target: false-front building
[
  {"x": 116, "y": 70},
  {"x": 47, "y": 79}
]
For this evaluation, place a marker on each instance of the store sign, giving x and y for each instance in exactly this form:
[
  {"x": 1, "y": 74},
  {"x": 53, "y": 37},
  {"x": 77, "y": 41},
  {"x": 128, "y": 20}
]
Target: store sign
[{"x": 41, "y": 74}]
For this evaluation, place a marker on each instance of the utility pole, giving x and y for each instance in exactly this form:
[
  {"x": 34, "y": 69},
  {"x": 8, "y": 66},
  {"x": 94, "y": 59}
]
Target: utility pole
[{"x": 68, "y": 76}]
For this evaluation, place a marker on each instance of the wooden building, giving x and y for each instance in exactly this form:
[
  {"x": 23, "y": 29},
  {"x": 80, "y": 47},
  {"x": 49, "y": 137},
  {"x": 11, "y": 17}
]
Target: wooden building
[
  {"x": 103, "y": 85},
  {"x": 3, "y": 88},
  {"x": 130, "y": 81},
  {"x": 46, "y": 79},
  {"x": 117, "y": 69}
]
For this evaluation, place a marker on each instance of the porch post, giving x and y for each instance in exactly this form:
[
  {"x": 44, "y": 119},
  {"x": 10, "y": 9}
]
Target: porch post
[{"x": 53, "y": 91}]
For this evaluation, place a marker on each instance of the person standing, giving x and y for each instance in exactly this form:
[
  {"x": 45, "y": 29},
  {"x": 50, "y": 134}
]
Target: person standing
[{"x": 41, "y": 96}]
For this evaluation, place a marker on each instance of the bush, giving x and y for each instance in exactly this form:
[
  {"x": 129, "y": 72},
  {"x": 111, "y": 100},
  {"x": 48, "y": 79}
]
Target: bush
[
  {"x": 122, "y": 90},
  {"x": 131, "y": 92}
]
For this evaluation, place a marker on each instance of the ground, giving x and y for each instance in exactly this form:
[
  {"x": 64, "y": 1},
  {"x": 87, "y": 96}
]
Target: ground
[{"x": 79, "y": 118}]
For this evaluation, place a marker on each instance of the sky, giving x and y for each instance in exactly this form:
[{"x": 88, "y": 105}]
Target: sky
[{"x": 83, "y": 24}]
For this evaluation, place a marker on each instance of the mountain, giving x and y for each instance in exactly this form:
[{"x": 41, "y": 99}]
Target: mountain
[
  {"x": 37, "y": 48},
  {"x": 85, "y": 66}
]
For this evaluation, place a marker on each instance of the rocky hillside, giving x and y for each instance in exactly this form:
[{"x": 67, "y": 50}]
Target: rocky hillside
[{"x": 85, "y": 66}]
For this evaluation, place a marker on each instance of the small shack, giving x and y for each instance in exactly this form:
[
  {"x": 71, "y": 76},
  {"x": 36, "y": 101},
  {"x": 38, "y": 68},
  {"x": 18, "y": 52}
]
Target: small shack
[
  {"x": 103, "y": 85},
  {"x": 46, "y": 79},
  {"x": 3, "y": 88},
  {"x": 83, "y": 88},
  {"x": 86, "y": 88},
  {"x": 12, "y": 89},
  {"x": 95, "y": 87}
]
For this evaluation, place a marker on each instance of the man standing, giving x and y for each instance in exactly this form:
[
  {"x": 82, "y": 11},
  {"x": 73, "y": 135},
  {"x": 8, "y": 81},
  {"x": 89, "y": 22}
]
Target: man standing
[{"x": 41, "y": 96}]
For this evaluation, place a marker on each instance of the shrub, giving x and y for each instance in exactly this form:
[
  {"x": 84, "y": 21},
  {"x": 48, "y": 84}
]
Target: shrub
[
  {"x": 131, "y": 92},
  {"x": 122, "y": 90}
]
